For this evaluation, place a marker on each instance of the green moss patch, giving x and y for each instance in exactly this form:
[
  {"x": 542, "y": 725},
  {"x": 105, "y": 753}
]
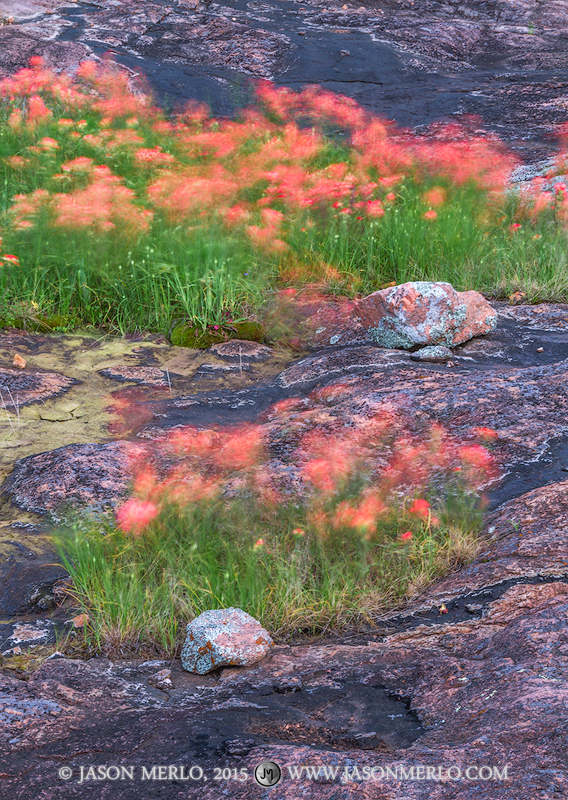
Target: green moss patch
[{"x": 191, "y": 334}]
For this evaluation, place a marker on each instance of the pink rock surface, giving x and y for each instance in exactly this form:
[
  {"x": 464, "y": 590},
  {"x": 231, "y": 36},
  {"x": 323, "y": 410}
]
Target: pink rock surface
[
  {"x": 149, "y": 376},
  {"x": 480, "y": 318},
  {"x": 224, "y": 637},
  {"x": 424, "y": 313},
  {"x": 78, "y": 474}
]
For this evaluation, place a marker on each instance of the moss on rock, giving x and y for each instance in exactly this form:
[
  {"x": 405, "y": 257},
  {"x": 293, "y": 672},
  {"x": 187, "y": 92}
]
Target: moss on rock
[
  {"x": 39, "y": 324},
  {"x": 191, "y": 334}
]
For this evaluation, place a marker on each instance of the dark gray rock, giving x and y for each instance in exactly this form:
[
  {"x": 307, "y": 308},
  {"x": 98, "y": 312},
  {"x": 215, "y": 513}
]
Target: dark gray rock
[
  {"x": 28, "y": 586},
  {"x": 90, "y": 474}
]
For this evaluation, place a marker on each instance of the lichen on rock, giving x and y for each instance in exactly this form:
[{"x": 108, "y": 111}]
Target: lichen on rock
[
  {"x": 224, "y": 637},
  {"x": 424, "y": 313}
]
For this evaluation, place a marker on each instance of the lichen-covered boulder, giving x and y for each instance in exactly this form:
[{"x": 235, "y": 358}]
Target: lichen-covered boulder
[
  {"x": 222, "y": 638},
  {"x": 424, "y": 313}
]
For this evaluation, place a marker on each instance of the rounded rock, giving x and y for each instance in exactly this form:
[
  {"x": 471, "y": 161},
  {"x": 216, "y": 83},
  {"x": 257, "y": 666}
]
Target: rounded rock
[
  {"x": 222, "y": 638},
  {"x": 424, "y": 313},
  {"x": 437, "y": 354}
]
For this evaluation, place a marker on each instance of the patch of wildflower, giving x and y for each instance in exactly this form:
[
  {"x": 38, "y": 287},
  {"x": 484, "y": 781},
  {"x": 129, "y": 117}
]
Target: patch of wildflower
[
  {"x": 135, "y": 515},
  {"x": 261, "y": 176},
  {"x": 104, "y": 204},
  {"x": 351, "y": 478}
]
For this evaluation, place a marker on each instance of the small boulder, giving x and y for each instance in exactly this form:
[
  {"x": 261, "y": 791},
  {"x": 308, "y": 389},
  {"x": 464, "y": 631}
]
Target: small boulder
[
  {"x": 424, "y": 313},
  {"x": 437, "y": 354},
  {"x": 222, "y": 638}
]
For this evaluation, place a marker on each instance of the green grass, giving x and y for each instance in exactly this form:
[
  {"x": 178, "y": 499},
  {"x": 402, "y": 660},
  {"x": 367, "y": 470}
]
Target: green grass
[
  {"x": 221, "y": 530},
  {"x": 167, "y": 277},
  {"x": 402, "y": 246},
  {"x": 140, "y": 591}
]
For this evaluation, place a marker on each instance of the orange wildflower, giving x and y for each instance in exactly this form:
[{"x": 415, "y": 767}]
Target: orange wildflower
[
  {"x": 476, "y": 456},
  {"x": 47, "y": 143},
  {"x": 435, "y": 196}
]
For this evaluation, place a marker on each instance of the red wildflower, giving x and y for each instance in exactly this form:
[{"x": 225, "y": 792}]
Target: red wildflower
[
  {"x": 488, "y": 434},
  {"x": 87, "y": 70},
  {"x": 362, "y": 516},
  {"x": 318, "y": 473},
  {"x": 435, "y": 196},
  {"x": 135, "y": 515},
  {"x": 241, "y": 449},
  {"x": 375, "y": 209},
  {"x": 37, "y": 111},
  {"x": 9, "y": 259},
  {"x": 476, "y": 456},
  {"x": 419, "y": 508}
]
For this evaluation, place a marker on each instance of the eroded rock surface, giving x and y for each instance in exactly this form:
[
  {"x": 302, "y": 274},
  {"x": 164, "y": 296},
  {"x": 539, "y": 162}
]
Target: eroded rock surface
[
  {"x": 488, "y": 693},
  {"x": 515, "y": 374},
  {"x": 22, "y": 387},
  {"x": 527, "y": 538},
  {"x": 414, "y": 61},
  {"x": 484, "y": 684},
  {"x": 90, "y": 474},
  {"x": 29, "y": 571},
  {"x": 148, "y": 376},
  {"x": 238, "y": 350}
]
